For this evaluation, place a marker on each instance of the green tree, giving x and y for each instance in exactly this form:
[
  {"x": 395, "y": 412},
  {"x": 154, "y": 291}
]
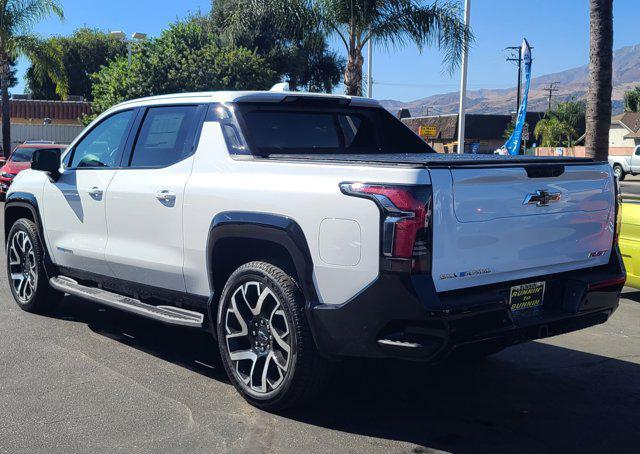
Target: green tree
[
  {"x": 83, "y": 54},
  {"x": 389, "y": 23},
  {"x": 600, "y": 79},
  {"x": 17, "y": 18},
  {"x": 297, "y": 50},
  {"x": 573, "y": 115},
  {"x": 185, "y": 58},
  {"x": 551, "y": 131},
  {"x": 510, "y": 128},
  {"x": 632, "y": 100}
]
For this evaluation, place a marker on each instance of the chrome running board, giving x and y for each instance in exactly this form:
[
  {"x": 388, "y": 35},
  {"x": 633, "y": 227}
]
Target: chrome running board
[{"x": 166, "y": 314}]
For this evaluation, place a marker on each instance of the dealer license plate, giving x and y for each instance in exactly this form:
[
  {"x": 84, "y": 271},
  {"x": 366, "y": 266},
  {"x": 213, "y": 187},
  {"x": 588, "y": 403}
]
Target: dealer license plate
[{"x": 527, "y": 296}]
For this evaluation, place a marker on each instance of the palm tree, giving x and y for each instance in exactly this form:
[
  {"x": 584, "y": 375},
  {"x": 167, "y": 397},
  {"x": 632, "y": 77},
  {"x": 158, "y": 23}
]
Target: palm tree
[
  {"x": 551, "y": 132},
  {"x": 390, "y": 23},
  {"x": 600, "y": 83},
  {"x": 17, "y": 17}
]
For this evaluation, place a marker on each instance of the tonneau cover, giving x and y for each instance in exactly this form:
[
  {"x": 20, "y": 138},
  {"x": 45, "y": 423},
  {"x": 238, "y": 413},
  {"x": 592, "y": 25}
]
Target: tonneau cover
[{"x": 432, "y": 159}]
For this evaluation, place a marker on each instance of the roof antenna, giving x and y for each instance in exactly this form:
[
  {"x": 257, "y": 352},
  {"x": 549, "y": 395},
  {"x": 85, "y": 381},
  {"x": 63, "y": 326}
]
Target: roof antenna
[{"x": 281, "y": 87}]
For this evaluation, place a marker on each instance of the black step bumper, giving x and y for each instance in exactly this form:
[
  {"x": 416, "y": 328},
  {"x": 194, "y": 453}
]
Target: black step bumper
[{"x": 402, "y": 316}]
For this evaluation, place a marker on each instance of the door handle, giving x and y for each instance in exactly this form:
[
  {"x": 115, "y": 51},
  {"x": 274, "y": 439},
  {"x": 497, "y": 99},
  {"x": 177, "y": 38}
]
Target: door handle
[
  {"x": 166, "y": 196},
  {"x": 96, "y": 192}
]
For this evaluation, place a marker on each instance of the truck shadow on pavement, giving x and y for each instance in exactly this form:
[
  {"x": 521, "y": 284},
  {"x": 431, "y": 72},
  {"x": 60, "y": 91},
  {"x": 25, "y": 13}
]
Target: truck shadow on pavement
[
  {"x": 534, "y": 397},
  {"x": 633, "y": 296}
]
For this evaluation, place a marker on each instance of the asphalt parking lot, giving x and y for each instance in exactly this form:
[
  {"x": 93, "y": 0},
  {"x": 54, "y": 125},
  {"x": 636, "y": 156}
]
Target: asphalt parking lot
[{"x": 89, "y": 379}]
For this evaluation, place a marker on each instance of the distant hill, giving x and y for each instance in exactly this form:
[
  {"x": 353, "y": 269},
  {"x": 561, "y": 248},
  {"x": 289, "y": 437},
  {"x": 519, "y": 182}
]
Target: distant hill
[{"x": 573, "y": 84}]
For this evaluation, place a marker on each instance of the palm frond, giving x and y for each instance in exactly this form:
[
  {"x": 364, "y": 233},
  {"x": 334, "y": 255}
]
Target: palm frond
[
  {"x": 297, "y": 15},
  {"x": 438, "y": 25},
  {"x": 24, "y": 14},
  {"x": 46, "y": 59}
]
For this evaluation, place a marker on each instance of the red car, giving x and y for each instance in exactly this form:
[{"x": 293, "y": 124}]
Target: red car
[{"x": 20, "y": 160}]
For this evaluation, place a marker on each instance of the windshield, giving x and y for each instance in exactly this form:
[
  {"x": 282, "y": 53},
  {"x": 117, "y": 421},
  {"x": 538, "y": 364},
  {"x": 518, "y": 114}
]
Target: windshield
[
  {"x": 278, "y": 129},
  {"x": 22, "y": 154}
]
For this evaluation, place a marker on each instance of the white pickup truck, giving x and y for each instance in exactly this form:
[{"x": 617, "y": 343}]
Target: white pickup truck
[
  {"x": 623, "y": 165},
  {"x": 301, "y": 229}
]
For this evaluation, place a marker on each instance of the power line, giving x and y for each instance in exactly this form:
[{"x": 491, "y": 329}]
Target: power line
[{"x": 551, "y": 89}]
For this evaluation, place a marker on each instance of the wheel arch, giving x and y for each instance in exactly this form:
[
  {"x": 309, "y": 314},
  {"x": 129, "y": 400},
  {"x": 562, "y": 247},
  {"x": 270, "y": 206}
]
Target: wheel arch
[
  {"x": 236, "y": 238},
  {"x": 25, "y": 205},
  {"x": 254, "y": 236},
  {"x": 21, "y": 205}
]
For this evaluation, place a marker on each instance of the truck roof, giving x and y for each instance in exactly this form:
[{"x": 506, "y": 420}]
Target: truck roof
[{"x": 242, "y": 96}]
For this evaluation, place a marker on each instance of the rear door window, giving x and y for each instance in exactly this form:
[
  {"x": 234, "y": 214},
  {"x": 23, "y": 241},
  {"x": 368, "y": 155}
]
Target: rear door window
[{"x": 166, "y": 136}]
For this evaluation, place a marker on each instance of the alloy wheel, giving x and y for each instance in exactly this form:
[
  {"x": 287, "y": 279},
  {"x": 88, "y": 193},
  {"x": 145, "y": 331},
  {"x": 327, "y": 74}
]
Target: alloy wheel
[
  {"x": 258, "y": 338},
  {"x": 23, "y": 266}
]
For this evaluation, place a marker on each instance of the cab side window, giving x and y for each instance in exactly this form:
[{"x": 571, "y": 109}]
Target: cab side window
[
  {"x": 102, "y": 146},
  {"x": 166, "y": 136}
]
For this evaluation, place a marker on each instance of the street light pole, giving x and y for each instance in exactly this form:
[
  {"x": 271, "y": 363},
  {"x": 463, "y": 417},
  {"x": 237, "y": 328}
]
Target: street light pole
[
  {"x": 122, "y": 36},
  {"x": 463, "y": 82},
  {"x": 370, "y": 69}
]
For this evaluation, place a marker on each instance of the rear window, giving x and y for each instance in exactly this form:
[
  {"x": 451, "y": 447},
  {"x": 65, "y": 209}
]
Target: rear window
[{"x": 275, "y": 129}]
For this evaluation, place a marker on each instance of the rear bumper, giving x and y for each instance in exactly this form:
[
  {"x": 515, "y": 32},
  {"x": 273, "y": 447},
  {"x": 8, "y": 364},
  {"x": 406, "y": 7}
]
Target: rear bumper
[{"x": 401, "y": 316}]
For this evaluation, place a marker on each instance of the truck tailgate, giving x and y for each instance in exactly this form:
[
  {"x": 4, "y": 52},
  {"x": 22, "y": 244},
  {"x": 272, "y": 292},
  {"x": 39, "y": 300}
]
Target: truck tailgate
[{"x": 496, "y": 224}]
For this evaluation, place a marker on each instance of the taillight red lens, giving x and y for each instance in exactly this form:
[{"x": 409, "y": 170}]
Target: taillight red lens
[
  {"x": 406, "y": 229},
  {"x": 406, "y": 211}
]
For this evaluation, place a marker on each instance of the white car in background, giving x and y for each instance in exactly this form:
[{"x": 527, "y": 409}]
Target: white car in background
[{"x": 624, "y": 165}]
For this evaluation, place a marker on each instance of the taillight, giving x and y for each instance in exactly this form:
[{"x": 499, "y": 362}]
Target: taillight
[{"x": 406, "y": 217}]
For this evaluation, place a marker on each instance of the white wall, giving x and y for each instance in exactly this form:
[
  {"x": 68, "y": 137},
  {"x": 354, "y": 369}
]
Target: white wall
[{"x": 616, "y": 137}]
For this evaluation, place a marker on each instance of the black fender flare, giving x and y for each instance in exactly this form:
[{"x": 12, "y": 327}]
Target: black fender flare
[
  {"x": 23, "y": 200},
  {"x": 30, "y": 202},
  {"x": 278, "y": 229}
]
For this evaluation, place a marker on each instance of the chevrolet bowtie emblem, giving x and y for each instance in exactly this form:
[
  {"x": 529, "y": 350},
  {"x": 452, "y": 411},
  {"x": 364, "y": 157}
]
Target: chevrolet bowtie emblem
[{"x": 541, "y": 198}]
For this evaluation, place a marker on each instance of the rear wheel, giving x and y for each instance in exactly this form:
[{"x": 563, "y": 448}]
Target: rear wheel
[
  {"x": 264, "y": 338},
  {"x": 25, "y": 268},
  {"x": 618, "y": 171}
]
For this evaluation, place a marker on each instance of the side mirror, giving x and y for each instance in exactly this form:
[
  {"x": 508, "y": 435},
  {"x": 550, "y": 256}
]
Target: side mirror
[{"x": 47, "y": 160}]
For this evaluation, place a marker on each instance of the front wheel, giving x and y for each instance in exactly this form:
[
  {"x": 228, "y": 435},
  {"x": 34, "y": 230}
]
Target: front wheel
[
  {"x": 25, "y": 268},
  {"x": 618, "y": 171},
  {"x": 264, "y": 338}
]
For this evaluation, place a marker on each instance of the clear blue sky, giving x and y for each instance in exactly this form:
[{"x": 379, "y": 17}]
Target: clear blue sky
[{"x": 558, "y": 29}]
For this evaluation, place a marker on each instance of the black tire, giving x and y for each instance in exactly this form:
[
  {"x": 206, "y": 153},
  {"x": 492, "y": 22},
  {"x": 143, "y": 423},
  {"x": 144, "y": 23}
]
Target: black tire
[
  {"x": 619, "y": 172},
  {"x": 305, "y": 371},
  {"x": 42, "y": 296}
]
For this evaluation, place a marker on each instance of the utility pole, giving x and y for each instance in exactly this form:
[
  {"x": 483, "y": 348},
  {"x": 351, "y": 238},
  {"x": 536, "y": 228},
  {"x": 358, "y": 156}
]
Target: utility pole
[
  {"x": 551, "y": 89},
  {"x": 515, "y": 56},
  {"x": 463, "y": 82},
  {"x": 370, "y": 69}
]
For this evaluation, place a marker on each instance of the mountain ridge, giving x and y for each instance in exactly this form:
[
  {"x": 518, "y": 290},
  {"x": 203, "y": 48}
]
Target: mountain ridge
[{"x": 573, "y": 84}]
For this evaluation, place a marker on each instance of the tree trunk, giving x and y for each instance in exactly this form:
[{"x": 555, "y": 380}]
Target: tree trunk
[
  {"x": 5, "y": 71},
  {"x": 600, "y": 83},
  {"x": 353, "y": 73}
]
